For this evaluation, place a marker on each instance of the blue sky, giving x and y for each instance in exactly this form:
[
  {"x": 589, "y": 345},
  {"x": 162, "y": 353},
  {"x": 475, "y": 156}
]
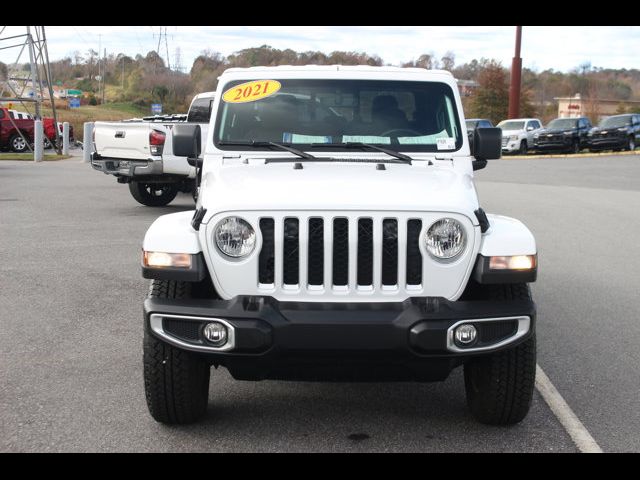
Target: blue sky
[{"x": 560, "y": 48}]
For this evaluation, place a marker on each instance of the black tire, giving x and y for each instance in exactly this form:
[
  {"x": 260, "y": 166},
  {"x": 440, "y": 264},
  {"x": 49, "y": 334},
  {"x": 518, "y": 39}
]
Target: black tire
[
  {"x": 176, "y": 382},
  {"x": 631, "y": 144},
  {"x": 575, "y": 147},
  {"x": 499, "y": 386},
  {"x": 153, "y": 194},
  {"x": 17, "y": 144},
  {"x": 523, "y": 148}
]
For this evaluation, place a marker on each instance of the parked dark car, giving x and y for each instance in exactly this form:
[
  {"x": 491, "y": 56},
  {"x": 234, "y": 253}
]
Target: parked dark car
[
  {"x": 563, "y": 134},
  {"x": 473, "y": 123},
  {"x": 616, "y": 133}
]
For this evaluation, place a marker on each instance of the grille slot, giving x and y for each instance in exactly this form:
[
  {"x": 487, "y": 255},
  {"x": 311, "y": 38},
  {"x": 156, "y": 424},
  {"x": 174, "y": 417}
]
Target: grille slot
[
  {"x": 414, "y": 257},
  {"x": 365, "y": 251},
  {"x": 493, "y": 332},
  {"x": 266, "y": 259},
  {"x": 183, "y": 329},
  {"x": 389, "y": 252},
  {"x": 340, "y": 251},
  {"x": 290, "y": 247},
  {"x": 316, "y": 251}
]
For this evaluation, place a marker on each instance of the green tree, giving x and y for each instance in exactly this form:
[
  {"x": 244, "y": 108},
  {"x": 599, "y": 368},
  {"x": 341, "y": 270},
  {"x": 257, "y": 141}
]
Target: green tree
[{"x": 491, "y": 98}]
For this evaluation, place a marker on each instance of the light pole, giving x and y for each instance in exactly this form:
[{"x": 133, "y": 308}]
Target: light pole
[{"x": 516, "y": 75}]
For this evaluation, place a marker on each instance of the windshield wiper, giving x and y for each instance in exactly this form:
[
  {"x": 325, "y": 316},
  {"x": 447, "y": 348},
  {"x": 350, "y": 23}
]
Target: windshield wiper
[
  {"x": 391, "y": 153},
  {"x": 259, "y": 144}
]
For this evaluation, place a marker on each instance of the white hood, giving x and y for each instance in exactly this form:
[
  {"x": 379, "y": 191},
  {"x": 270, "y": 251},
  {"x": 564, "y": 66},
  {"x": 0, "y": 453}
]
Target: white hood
[
  {"x": 506, "y": 133},
  {"x": 338, "y": 186}
]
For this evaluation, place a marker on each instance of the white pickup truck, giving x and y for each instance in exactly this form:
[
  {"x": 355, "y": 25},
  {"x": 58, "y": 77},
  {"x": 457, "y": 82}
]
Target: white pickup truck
[{"x": 139, "y": 152}]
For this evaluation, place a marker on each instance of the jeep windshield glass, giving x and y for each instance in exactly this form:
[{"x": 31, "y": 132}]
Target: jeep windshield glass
[
  {"x": 563, "y": 123},
  {"x": 397, "y": 115},
  {"x": 511, "y": 125},
  {"x": 613, "y": 122}
]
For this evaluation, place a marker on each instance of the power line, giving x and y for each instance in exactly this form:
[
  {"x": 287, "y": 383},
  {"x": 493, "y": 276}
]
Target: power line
[{"x": 81, "y": 37}]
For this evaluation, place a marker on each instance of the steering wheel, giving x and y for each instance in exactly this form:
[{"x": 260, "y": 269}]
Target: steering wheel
[{"x": 388, "y": 133}]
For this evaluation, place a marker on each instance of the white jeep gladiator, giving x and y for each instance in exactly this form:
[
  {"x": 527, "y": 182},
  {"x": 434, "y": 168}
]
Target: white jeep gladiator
[
  {"x": 139, "y": 152},
  {"x": 338, "y": 236}
]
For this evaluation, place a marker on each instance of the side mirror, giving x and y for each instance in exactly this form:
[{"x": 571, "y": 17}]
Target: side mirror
[
  {"x": 187, "y": 142},
  {"x": 530, "y": 129},
  {"x": 487, "y": 145}
]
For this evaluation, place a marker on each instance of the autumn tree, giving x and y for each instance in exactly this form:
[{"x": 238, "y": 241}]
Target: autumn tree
[
  {"x": 527, "y": 108},
  {"x": 491, "y": 98}
]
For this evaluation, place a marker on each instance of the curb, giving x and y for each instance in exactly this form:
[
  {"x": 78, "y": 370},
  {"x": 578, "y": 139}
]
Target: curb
[{"x": 568, "y": 155}]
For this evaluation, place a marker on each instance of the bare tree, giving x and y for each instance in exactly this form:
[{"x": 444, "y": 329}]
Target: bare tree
[{"x": 448, "y": 61}]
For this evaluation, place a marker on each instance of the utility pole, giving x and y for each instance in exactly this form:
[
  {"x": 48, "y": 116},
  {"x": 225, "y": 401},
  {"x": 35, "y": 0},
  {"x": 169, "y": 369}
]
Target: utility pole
[
  {"x": 35, "y": 76},
  {"x": 166, "y": 42},
  {"x": 99, "y": 64},
  {"x": 104, "y": 67},
  {"x": 516, "y": 78},
  {"x": 34, "y": 43}
]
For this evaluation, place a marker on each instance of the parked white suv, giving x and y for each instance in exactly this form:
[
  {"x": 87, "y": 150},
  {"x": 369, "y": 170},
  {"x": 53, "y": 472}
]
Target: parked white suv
[
  {"x": 338, "y": 236},
  {"x": 517, "y": 134}
]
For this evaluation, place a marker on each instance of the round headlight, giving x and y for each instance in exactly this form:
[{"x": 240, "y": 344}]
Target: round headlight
[
  {"x": 235, "y": 237},
  {"x": 446, "y": 238}
]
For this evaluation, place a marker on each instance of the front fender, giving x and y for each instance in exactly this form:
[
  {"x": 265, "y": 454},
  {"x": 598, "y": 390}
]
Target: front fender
[
  {"x": 172, "y": 233},
  {"x": 507, "y": 236}
]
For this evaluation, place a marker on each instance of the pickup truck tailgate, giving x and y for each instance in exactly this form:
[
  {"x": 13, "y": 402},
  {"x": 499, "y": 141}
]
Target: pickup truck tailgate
[{"x": 123, "y": 140}]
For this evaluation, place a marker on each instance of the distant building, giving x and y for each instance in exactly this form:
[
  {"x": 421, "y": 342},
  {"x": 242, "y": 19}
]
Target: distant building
[
  {"x": 59, "y": 92},
  {"x": 596, "y": 109},
  {"x": 467, "y": 87}
]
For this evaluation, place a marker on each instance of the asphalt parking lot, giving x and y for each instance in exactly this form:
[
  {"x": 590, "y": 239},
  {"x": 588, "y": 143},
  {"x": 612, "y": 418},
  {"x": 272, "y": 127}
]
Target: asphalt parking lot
[{"x": 71, "y": 327}]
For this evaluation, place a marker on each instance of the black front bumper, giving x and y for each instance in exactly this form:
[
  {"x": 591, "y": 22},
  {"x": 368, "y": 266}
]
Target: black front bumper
[
  {"x": 564, "y": 144},
  {"x": 607, "y": 143},
  {"x": 337, "y": 341}
]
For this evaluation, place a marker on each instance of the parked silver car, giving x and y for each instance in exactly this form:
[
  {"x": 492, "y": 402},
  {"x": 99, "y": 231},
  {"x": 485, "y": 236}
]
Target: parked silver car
[{"x": 517, "y": 134}]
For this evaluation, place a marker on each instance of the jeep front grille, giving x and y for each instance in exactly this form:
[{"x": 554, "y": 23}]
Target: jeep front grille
[
  {"x": 343, "y": 253},
  {"x": 340, "y": 256}
]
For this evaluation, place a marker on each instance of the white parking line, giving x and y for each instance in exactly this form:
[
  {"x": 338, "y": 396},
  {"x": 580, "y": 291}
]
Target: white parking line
[{"x": 574, "y": 427}]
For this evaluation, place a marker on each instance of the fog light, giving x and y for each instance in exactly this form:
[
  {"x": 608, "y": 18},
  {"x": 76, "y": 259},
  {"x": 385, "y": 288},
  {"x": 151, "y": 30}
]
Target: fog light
[
  {"x": 465, "y": 335},
  {"x": 216, "y": 333}
]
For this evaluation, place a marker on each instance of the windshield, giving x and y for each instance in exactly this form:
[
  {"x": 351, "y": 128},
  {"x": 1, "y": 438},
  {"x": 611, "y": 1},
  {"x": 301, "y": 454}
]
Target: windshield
[
  {"x": 511, "y": 125},
  {"x": 472, "y": 124},
  {"x": 563, "y": 123},
  {"x": 408, "y": 116},
  {"x": 613, "y": 122}
]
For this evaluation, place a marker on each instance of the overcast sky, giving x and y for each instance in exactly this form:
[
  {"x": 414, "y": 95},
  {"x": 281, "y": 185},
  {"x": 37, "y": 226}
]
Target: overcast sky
[{"x": 560, "y": 48}]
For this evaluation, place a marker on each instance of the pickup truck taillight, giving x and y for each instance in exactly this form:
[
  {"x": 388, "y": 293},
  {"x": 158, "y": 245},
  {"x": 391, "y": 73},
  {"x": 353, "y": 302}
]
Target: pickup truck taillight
[{"x": 156, "y": 142}]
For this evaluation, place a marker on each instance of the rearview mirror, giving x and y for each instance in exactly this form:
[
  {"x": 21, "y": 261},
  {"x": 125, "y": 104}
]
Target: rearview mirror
[
  {"x": 187, "y": 142},
  {"x": 487, "y": 145}
]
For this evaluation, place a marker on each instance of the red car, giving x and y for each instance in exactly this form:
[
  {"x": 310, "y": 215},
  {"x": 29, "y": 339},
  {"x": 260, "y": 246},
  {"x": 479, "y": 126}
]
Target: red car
[{"x": 13, "y": 123}]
